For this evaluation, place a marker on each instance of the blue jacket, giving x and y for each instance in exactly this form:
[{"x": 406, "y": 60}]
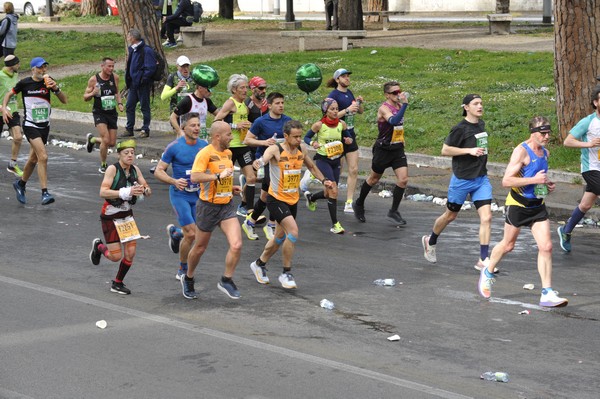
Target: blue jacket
[
  {"x": 10, "y": 41},
  {"x": 141, "y": 64}
]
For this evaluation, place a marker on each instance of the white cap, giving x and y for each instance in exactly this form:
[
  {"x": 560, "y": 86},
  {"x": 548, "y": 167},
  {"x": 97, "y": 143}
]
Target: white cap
[{"x": 183, "y": 60}]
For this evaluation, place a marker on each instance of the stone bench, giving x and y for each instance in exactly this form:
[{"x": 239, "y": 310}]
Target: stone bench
[
  {"x": 499, "y": 23},
  {"x": 193, "y": 36},
  {"x": 343, "y": 34},
  {"x": 385, "y": 16}
]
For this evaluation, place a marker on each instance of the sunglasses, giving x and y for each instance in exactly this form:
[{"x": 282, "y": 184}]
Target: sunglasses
[
  {"x": 262, "y": 88},
  {"x": 545, "y": 133},
  {"x": 395, "y": 92}
]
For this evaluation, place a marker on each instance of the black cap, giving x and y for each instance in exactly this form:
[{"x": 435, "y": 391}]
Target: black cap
[{"x": 467, "y": 100}]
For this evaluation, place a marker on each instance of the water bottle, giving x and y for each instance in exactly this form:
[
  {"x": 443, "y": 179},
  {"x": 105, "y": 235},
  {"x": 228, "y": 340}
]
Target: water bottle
[
  {"x": 499, "y": 376},
  {"x": 350, "y": 118},
  {"x": 388, "y": 282},
  {"x": 99, "y": 92},
  {"x": 327, "y": 304}
]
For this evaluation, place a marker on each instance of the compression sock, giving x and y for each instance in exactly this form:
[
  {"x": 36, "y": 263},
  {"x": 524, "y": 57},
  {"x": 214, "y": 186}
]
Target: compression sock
[
  {"x": 484, "y": 251},
  {"x": 433, "y": 238},
  {"x": 398, "y": 194},
  {"x": 104, "y": 249},
  {"x": 576, "y": 216},
  {"x": 259, "y": 208},
  {"x": 332, "y": 206},
  {"x": 183, "y": 266},
  {"x": 317, "y": 196},
  {"x": 249, "y": 194},
  {"x": 123, "y": 269},
  {"x": 364, "y": 191}
]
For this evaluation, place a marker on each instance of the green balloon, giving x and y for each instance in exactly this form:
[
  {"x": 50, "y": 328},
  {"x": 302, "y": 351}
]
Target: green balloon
[
  {"x": 308, "y": 78},
  {"x": 205, "y": 76}
]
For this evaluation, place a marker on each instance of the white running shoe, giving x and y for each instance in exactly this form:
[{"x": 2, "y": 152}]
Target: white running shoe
[
  {"x": 260, "y": 272},
  {"x": 484, "y": 263},
  {"x": 249, "y": 230},
  {"x": 552, "y": 300},
  {"x": 428, "y": 250},
  {"x": 269, "y": 231},
  {"x": 348, "y": 207},
  {"x": 287, "y": 280}
]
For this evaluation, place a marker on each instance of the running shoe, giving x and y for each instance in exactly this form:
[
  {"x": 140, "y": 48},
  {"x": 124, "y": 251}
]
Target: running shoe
[
  {"x": 484, "y": 263},
  {"x": 485, "y": 284},
  {"x": 173, "y": 242},
  {"x": 20, "y": 192},
  {"x": 337, "y": 228},
  {"x": 180, "y": 274},
  {"x": 260, "y": 272},
  {"x": 551, "y": 300},
  {"x": 242, "y": 211},
  {"x": 311, "y": 205},
  {"x": 170, "y": 45},
  {"x": 305, "y": 181},
  {"x": 428, "y": 250},
  {"x": 565, "y": 239},
  {"x": 119, "y": 288},
  {"x": 229, "y": 288},
  {"x": 269, "y": 230},
  {"x": 396, "y": 218},
  {"x": 248, "y": 228},
  {"x": 95, "y": 253},
  {"x": 179, "y": 38},
  {"x": 348, "y": 207},
  {"x": 359, "y": 212},
  {"x": 165, "y": 42},
  {"x": 187, "y": 288},
  {"x": 262, "y": 219},
  {"x": 14, "y": 169},
  {"x": 102, "y": 168},
  {"x": 287, "y": 280},
  {"x": 47, "y": 198},
  {"x": 89, "y": 144}
]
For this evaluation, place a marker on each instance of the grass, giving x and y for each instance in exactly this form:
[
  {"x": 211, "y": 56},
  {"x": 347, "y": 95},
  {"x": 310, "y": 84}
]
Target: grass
[{"x": 514, "y": 86}]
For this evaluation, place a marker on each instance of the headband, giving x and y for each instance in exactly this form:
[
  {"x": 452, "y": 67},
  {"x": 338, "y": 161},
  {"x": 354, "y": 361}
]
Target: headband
[{"x": 544, "y": 128}]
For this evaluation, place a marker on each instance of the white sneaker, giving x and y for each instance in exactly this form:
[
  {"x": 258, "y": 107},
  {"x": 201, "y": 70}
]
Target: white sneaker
[
  {"x": 484, "y": 263},
  {"x": 348, "y": 207},
  {"x": 305, "y": 181},
  {"x": 552, "y": 300},
  {"x": 166, "y": 42},
  {"x": 269, "y": 231},
  {"x": 180, "y": 38},
  {"x": 428, "y": 250},
  {"x": 287, "y": 280},
  {"x": 260, "y": 272},
  {"x": 249, "y": 230}
]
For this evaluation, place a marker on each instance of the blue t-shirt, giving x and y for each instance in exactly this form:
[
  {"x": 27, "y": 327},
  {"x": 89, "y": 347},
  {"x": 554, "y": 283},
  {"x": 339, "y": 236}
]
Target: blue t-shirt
[
  {"x": 265, "y": 127},
  {"x": 181, "y": 156}
]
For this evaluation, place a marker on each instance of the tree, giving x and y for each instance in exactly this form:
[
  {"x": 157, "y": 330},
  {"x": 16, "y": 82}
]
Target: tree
[
  {"x": 576, "y": 56},
  {"x": 93, "y": 7},
  {"x": 350, "y": 15},
  {"x": 139, "y": 14},
  {"x": 376, "y": 5},
  {"x": 226, "y": 9}
]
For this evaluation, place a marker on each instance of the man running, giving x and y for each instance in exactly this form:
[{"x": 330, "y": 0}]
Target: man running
[
  {"x": 182, "y": 192},
  {"x": 257, "y": 102},
  {"x": 179, "y": 83},
  {"x": 9, "y": 76},
  {"x": 285, "y": 165},
  {"x": 36, "y": 91},
  {"x": 213, "y": 171},
  {"x": 103, "y": 88}
]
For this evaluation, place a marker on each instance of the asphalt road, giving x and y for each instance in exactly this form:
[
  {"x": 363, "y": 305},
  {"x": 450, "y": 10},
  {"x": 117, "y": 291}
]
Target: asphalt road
[{"x": 274, "y": 343}]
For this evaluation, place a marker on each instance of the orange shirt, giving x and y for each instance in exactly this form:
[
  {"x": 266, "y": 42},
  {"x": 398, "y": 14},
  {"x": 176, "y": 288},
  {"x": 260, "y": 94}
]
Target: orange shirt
[
  {"x": 211, "y": 161},
  {"x": 285, "y": 176}
]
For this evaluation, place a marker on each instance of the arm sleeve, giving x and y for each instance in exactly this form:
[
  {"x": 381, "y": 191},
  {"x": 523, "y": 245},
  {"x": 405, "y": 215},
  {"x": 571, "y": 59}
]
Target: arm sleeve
[
  {"x": 309, "y": 135},
  {"x": 395, "y": 120},
  {"x": 211, "y": 106}
]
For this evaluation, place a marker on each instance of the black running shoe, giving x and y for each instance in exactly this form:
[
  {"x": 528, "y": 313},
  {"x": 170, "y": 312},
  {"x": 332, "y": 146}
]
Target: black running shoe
[
  {"x": 395, "y": 217},
  {"x": 95, "y": 253},
  {"x": 119, "y": 288},
  {"x": 89, "y": 145},
  {"x": 359, "y": 212}
]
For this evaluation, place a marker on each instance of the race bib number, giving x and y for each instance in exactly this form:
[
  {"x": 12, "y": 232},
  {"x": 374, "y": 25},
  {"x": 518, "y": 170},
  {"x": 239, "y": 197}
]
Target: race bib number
[
  {"x": 225, "y": 188},
  {"x": 40, "y": 112},
  {"x": 482, "y": 141},
  {"x": 108, "y": 103},
  {"x": 397, "y": 135},
  {"x": 334, "y": 149},
  {"x": 291, "y": 180},
  {"x": 127, "y": 229}
]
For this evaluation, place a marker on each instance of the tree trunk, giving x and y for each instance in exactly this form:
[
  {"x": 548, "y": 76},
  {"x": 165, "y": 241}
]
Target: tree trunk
[
  {"x": 576, "y": 55},
  {"x": 139, "y": 14},
  {"x": 226, "y": 9},
  {"x": 376, "y": 5},
  {"x": 350, "y": 15},
  {"x": 93, "y": 7},
  {"x": 502, "y": 6}
]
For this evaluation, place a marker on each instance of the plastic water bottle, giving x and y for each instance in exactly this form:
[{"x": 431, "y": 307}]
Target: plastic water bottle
[
  {"x": 327, "y": 304},
  {"x": 499, "y": 376},
  {"x": 389, "y": 282},
  {"x": 98, "y": 87}
]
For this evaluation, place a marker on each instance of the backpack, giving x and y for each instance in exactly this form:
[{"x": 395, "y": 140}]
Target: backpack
[
  {"x": 197, "y": 11},
  {"x": 3, "y": 35},
  {"x": 161, "y": 64}
]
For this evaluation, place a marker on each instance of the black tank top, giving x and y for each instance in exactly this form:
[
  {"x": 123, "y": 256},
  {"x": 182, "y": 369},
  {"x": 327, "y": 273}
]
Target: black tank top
[{"x": 107, "y": 98}]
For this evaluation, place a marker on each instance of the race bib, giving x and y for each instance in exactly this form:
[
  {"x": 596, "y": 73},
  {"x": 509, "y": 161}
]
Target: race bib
[
  {"x": 397, "y": 135},
  {"x": 334, "y": 149},
  {"x": 108, "y": 103},
  {"x": 40, "y": 112},
  {"x": 482, "y": 141},
  {"x": 291, "y": 180},
  {"x": 225, "y": 188},
  {"x": 127, "y": 229}
]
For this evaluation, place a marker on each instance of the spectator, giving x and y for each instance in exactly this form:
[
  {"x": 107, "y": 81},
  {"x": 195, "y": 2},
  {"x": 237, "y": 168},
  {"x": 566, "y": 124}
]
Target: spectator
[
  {"x": 183, "y": 16},
  {"x": 331, "y": 10},
  {"x": 8, "y": 29}
]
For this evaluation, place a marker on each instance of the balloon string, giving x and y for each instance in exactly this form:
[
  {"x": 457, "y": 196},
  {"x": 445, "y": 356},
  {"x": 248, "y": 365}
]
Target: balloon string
[{"x": 311, "y": 101}]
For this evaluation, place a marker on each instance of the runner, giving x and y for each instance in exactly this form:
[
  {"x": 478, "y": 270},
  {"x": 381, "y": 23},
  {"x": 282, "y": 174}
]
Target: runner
[
  {"x": 103, "y": 87},
  {"x": 526, "y": 175},
  {"x": 213, "y": 170},
  {"x": 235, "y": 112},
  {"x": 388, "y": 152},
  {"x": 9, "y": 76},
  {"x": 36, "y": 91},
  {"x": 182, "y": 192},
  {"x": 285, "y": 160},
  {"x": 257, "y": 102},
  {"x": 198, "y": 102},
  {"x": 123, "y": 185},
  {"x": 265, "y": 131},
  {"x": 179, "y": 83},
  {"x": 467, "y": 144},
  {"x": 330, "y": 135},
  {"x": 349, "y": 106}
]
